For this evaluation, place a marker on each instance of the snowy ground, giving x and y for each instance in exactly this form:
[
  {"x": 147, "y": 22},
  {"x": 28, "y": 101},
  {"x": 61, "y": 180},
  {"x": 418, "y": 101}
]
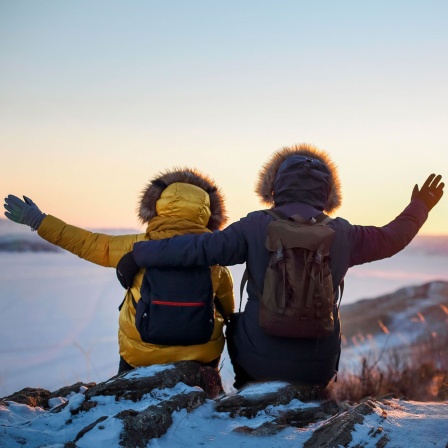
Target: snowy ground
[{"x": 408, "y": 424}]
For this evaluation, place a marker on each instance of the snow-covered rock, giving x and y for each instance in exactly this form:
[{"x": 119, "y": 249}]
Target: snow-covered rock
[{"x": 178, "y": 405}]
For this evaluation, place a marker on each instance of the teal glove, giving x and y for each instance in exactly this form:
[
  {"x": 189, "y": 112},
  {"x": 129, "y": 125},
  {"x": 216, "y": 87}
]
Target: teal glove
[
  {"x": 27, "y": 212},
  {"x": 431, "y": 191}
]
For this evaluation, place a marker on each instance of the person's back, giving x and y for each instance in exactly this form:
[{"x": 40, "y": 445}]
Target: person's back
[
  {"x": 303, "y": 181},
  {"x": 299, "y": 180},
  {"x": 175, "y": 202}
]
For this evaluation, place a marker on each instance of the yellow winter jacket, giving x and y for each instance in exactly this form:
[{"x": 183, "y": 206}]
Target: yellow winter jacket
[{"x": 181, "y": 209}]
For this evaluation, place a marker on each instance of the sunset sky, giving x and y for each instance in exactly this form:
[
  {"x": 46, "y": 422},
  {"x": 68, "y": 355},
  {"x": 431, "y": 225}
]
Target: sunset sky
[{"x": 96, "y": 97}]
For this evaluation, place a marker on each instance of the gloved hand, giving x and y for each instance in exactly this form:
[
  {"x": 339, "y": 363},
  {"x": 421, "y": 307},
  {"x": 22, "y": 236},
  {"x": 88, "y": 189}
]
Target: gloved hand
[
  {"x": 431, "y": 191},
  {"x": 127, "y": 268},
  {"x": 27, "y": 212}
]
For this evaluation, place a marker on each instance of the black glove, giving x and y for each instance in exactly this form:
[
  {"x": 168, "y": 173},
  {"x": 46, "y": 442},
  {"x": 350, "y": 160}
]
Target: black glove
[
  {"x": 127, "y": 268},
  {"x": 431, "y": 191}
]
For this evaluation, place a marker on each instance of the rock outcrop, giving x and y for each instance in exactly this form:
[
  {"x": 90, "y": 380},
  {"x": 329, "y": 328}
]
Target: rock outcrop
[{"x": 143, "y": 402}]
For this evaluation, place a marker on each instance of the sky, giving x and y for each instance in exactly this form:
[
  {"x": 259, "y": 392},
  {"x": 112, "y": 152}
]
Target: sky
[{"x": 97, "y": 97}]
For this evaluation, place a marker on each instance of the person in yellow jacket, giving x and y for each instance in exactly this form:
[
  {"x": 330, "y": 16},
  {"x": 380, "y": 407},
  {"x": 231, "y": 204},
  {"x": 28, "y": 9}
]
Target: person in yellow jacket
[{"x": 175, "y": 202}]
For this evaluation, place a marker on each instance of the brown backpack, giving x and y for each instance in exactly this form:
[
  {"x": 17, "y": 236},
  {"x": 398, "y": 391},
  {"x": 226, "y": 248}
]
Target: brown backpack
[{"x": 298, "y": 297}]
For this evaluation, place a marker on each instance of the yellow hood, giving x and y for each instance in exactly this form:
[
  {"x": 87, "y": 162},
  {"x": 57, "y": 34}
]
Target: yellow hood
[{"x": 184, "y": 201}]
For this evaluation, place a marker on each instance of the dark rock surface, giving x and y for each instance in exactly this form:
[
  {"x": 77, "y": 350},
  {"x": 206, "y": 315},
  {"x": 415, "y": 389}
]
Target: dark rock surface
[{"x": 150, "y": 398}]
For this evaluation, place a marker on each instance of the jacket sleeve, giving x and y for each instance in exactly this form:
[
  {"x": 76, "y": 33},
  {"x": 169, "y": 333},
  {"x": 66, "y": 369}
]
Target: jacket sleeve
[
  {"x": 226, "y": 248},
  {"x": 98, "y": 248},
  {"x": 369, "y": 243}
]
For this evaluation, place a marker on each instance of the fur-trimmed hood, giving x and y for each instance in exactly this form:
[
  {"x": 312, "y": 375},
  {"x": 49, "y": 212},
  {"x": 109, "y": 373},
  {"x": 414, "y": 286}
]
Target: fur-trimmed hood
[
  {"x": 300, "y": 173},
  {"x": 151, "y": 194}
]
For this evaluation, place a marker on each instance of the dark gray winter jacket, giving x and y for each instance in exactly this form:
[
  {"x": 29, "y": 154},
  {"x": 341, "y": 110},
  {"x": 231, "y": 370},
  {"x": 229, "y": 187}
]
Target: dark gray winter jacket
[{"x": 269, "y": 358}]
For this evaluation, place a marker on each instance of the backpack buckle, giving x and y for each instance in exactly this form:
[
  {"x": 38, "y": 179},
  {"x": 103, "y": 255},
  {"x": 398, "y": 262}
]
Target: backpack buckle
[{"x": 279, "y": 252}]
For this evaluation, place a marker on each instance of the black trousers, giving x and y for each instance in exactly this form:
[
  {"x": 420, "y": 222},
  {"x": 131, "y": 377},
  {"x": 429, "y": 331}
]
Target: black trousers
[
  {"x": 242, "y": 378},
  {"x": 123, "y": 366}
]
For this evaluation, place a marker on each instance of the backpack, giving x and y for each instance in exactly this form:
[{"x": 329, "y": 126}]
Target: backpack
[
  {"x": 298, "y": 297},
  {"x": 176, "y": 306}
]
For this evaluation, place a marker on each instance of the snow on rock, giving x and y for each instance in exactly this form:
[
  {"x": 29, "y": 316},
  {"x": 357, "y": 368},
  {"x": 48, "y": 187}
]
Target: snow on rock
[
  {"x": 128, "y": 410},
  {"x": 169, "y": 406}
]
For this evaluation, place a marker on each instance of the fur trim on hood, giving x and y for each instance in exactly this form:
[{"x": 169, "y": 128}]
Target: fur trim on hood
[
  {"x": 268, "y": 173},
  {"x": 151, "y": 194}
]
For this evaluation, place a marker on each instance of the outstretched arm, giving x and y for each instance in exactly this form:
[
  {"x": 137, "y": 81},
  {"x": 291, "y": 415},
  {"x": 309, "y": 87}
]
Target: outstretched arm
[
  {"x": 226, "y": 248},
  {"x": 372, "y": 243},
  {"x": 98, "y": 248},
  {"x": 431, "y": 191},
  {"x": 23, "y": 212}
]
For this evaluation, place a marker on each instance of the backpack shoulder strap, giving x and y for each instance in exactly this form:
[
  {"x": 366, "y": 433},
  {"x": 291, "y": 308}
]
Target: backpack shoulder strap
[
  {"x": 323, "y": 219},
  {"x": 280, "y": 216},
  {"x": 338, "y": 293},
  {"x": 276, "y": 214},
  {"x": 220, "y": 308},
  {"x": 244, "y": 280}
]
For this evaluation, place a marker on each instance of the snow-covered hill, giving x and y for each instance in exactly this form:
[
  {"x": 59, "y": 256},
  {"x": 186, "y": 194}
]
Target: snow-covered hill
[{"x": 409, "y": 317}]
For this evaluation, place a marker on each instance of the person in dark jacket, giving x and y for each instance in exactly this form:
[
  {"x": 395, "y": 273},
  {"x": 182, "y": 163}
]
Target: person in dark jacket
[{"x": 296, "y": 180}]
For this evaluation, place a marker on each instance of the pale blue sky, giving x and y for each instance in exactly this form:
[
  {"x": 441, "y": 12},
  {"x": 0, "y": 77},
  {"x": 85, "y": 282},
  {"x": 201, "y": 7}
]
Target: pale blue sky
[{"x": 98, "y": 96}]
